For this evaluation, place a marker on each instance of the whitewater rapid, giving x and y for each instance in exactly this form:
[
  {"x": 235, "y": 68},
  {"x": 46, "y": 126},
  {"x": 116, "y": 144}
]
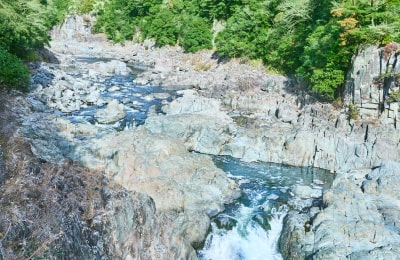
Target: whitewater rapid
[{"x": 250, "y": 228}]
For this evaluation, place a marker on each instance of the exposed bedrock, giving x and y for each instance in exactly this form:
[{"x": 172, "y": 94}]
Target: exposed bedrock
[
  {"x": 319, "y": 136},
  {"x": 230, "y": 109},
  {"x": 359, "y": 219}
]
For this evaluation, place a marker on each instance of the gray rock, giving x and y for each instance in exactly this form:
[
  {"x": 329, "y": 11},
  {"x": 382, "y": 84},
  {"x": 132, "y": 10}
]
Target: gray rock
[
  {"x": 358, "y": 220},
  {"x": 114, "y": 88},
  {"x": 3, "y": 172},
  {"x": 287, "y": 113},
  {"x": 306, "y": 192},
  {"x": 113, "y": 112},
  {"x": 134, "y": 230},
  {"x": 112, "y": 67},
  {"x": 94, "y": 97}
]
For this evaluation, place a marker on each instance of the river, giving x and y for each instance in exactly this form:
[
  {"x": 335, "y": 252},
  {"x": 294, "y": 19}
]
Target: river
[{"x": 250, "y": 227}]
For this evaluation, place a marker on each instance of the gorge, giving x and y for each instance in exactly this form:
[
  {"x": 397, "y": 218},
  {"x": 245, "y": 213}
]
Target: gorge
[{"x": 144, "y": 120}]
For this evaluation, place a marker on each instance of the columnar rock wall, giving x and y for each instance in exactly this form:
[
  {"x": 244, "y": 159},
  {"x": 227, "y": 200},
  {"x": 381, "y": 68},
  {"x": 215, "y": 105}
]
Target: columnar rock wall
[
  {"x": 74, "y": 27},
  {"x": 316, "y": 135},
  {"x": 371, "y": 80}
]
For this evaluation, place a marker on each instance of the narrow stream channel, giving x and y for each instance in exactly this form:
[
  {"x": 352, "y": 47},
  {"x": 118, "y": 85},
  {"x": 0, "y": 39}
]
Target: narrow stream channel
[{"x": 250, "y": 228}]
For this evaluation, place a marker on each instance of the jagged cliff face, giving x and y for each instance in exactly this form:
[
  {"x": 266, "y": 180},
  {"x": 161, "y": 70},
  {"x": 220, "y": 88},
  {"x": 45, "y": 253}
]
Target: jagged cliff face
[
  {"x": 372, "y": 80},
  {"x": 74, "y": 27},
  {"x": 359, "y": 214}
]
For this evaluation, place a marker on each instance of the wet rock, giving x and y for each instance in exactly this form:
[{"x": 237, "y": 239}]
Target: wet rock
[
  {"x": 94, "y": 98},
  {"x": 306, "y": 192},
  {"x": 114, "y": 88},
  {"x": 225, "y": 222}
]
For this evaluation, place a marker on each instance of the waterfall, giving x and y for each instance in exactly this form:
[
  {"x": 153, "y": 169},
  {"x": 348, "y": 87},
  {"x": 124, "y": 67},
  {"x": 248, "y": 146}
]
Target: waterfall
[{"x": 250, "y": 228}]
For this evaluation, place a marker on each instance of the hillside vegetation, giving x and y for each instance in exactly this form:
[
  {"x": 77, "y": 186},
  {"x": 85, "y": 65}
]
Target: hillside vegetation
[
  {"x": 23, "y": 29},
  {"x": 308, "y": 39}
]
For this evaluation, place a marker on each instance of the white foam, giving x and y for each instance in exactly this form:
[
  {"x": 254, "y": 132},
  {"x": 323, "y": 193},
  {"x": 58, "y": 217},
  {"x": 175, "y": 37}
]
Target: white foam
[{"x": 246, "y": 241}]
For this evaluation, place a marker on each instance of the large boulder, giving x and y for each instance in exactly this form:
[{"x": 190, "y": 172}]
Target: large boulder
[
  {"x": 113, "y": 112},
  {"x": 110, "y": 68},
  {"x": 195, "y": 120},
  {"x": 187, "y": 187}
]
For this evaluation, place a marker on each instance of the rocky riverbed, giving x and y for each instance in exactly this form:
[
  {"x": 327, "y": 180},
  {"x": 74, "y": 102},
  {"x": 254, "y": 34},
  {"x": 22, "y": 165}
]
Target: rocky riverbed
[{"x": 210, "y": 106}]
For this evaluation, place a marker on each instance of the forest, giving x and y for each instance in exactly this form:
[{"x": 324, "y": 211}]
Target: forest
[{"x": 311, "y": 40}]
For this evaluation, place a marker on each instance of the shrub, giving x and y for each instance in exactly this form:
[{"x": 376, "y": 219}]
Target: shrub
[
  {"x": 195, "y": 34},
  {"x": 394, "y": 96},
  {"x": 324, "y": 82},
  {"x": 353, "y": 111},
  {"x": 13, "y": 73}
]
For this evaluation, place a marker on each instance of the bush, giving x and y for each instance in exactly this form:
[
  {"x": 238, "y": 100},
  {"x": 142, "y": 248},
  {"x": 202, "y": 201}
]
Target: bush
[
  {"x": 195, "y": 34},
  {"x": 325, "y": 81},
  {"x": 353, "y": 112},
  {"x": 394, "y": 96},
  {"x": 13, "y": 73},
  {"x": 161, "y": 27}
]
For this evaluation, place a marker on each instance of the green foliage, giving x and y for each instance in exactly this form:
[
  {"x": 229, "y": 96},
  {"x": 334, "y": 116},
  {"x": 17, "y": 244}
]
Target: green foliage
[
  {"x": 166, "y": 22},
  {"x": 353, "y": 112},
  {"x": 13, "y": 73},
  {"x": 163, "y": 27},
  {"x": 245, "y": 34},
  {"x": 366, "y": 21},
  {"x": 217, "y": 9},
  {"x": 325, "y": 81},
  {"x": 195, "y": 33},
  {"x": 24, "y": 24},
  {"x": 85, "y": 6},
  {"x": 119, "y": 19},
  {"x": 24, "y": 28},
  {"x": 394, "y": 96}
]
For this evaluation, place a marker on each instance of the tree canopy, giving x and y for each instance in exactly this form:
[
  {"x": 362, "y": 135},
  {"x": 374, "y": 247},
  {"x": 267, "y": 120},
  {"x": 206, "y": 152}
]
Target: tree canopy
[{"x": 310, "y": 39}]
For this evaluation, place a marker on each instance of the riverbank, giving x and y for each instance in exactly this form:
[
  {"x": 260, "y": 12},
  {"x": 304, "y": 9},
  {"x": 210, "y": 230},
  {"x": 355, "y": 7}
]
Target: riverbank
[{"x": 223, "y": 108}]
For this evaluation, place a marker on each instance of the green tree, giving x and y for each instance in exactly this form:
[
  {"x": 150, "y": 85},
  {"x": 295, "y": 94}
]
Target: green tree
[
  {"x": 23, "y": 29},
  {"x": 162, "y": 27},
  {"x": 246, "y": 31},
  {"x": 195, "y": 33},
  {"x": 13, "y": 73}
]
